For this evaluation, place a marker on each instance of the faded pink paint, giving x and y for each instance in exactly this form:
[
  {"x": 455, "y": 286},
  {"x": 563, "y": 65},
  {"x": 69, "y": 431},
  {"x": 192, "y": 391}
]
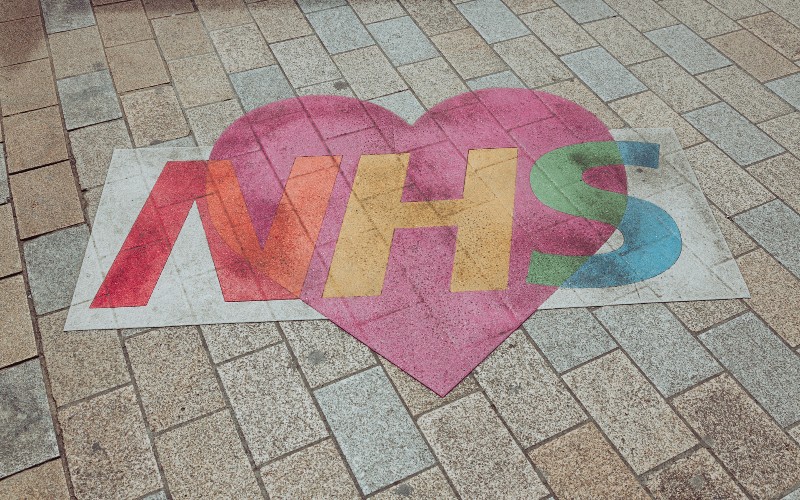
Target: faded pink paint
[{"x": 436, "y": 336}]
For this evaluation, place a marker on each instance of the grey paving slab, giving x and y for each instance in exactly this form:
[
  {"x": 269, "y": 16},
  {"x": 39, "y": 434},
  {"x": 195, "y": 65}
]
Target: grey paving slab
[
  {"x": 27, "y": 436},
  {"x": 261, "y": 86},
  {"x": 688, "y": 49},
  {"x": 403, "y": 104},
  {"x": 665, "y": 351},
  {"x": 776, "y": 227},
  {"x": 568, "y": 337},
  {"x": 733, "y": 133},
  {"x": 158, "y": 495},
  {"x": 88, "y": 99},
  {"x": 605, "y": 75},
  {"x": 4, "y": 191},
  {"x": 305, "y": 61},
  {"x": 340, "y": 29},
  {"x": 402, "y": 40},
  {"x": 761, "y": 362},
  {"x": 377, "y": 436},
  {"x": 584, "y": 11},
  {"x": 494, "y": 21},
  {"x": 503, "y": 79},
  {"x": 788, "y": 88},
  {"x": 54, "y": 262},
  {"x": 65, "y": 15},
  {"x": 315, "y": 5}
]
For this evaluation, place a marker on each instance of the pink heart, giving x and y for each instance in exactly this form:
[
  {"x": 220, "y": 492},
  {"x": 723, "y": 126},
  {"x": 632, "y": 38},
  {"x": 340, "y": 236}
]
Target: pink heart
[{"x": 436, "y": 336}]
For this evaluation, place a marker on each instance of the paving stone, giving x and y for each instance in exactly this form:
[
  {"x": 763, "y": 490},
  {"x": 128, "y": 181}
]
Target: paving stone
[
  {"x": 738, "y": 241},
  {"x": 174, "y": 375},
  {"x": 435, "y": 16},
  {"x": 93, "y": 147},
  {"x": 776, "y": 227},
  {"x": 737, "y": 9},
  {"x": 782, "y": 129},
  {"x": 181, "y": 36},
  {"x": 158, "y": 495},
  {"x": 628, "y": 409},
  {"x": 697, "y": 475},
  {"x": 21, "y": 41},
  {"x": 420, "y": 399},
  {"x": 45, "y": 199},
  {"x": 166, "y": 8},
  {"x": 226, "y": 341},
  {"x": 558, "y": 31},
  {"x": 280, "y": 20},
  {"x": 209, "y": 121},
  {"x": 305, "y": 61},
  {"x": 181, "y": 142},
  {"x": 644, "y": 15},
  {"x": 107, "y": 448},
  {"x": 218, "y": 14},
  {"x": 584, "y": 11},
  {"x": 493, "y": 20},
  {"x": 27, "y": 86},
  {"x": 315, "y": 5},
  {"x": 503, "y": 79},
  {"x": 5, "y": 192},
  {"x": 667, "y": 354},
  {"x": 10, "y": 262},
  {"x": 428, "y": 484},
  {"x": 53, "y": 262},
  {"x": 726, "y": 184},
  {"x": 35, "y": 138},
  {"x": 702, "y": 314},
  {"x": 371, "y": 11},
  {"x": 275, "y": 411},
  {"x": 623, "y": 41},
  {"x": 777, "y": 32},
  {"x": 17, "y": 9},
  {"x": 778, "y": 174},
  {"x": 754, "y": 56},
  {"x": 576, "y": 91},
  {"x": 680, "y": 90},
  {"x": 748, "y": 443},
  {"x": 333, "y": 87},
  {"x": 340, "y": 29},
  {"x": 788, "y": 88},
  {"x": 136, "y": 66},
  {"x": 402, "y": 41},
  {"x": 65, "y": 15},
  {"x": 745, "y": 94},
  {"x": 604, "y": 74},
  {"x": 43, "y": 482},
  {"x": 392, "y": 449},
  {"x": 200, "y": 80},
  {"x": 242, "y": 48},
  {"x": 403, "y": 104},
  {"x": 526, "y": 6},
  {"x": 531, "y": 60},
  {"x": 317, "y": 471},
  {"x": 27, "y": 437},
  {"x": 729, "y": 130},
  {"x": 19, "y": 342},
  {"x": 784, "y": 8},
  {"x": 123, "y": 22},
  {"x": 700, "y": 16},
  {"x": 76, "y": 52},
  {"x": 688, "y": 49},
  {"x": 154, "y": 115},
  {"x": 206, "y": 459},
  {"x": 642, "y": 110},
  {"x": 581, "y": 464},
  {"x": 478, "y": 453},
  {"x": 568, "y": 337},
  {"x": 325, "y": 351},
  {"x": 468, "y": 53},
  {"x": 369, "y": 73},
  {"x": 432, "y": 81},
  {"x": 261, "y": 86},
  {"x": 88, "y": 99}
]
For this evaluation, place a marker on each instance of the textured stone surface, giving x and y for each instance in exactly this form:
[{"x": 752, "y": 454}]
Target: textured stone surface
[
  {"x": 775, "y": 227},
  {"x": 369, "y": 73},
  {"x": 403, "y": 104},
  {"x": 200, "y": 80},
  {"x": 261, "y": 86},
  {"x": 604, "y": 74},
  {"x": 531, "y": 61},
  {"x": 643, "y": 109},
  {"x": 43, "y": 482},
  {"x": 241, "y": 48},
  {"x": 688, "y": 49},
  {"x": 402, "y": 41},
  {"x": 699, "y": 315},
  {"x": 280, "y": 20},
  {"x": 10, "y": 261},
  {"x": 181, "y": 36},
  {"x": 673, "y": 84},
  {"x": 123, "y": 22},
  {"x": 21, "y": 41},
  {"x": 700, "y": 16},
  {"x": 34, "y": 138},
  {"x": 136, "y": 66},
  {"x": 788, "y": 88},
  {"x": 435, "y": 17},
  {"x": 584, "y": 11},
  {"x": 754, "y": 56},
  {"x": 209, "y": 121},
  {"x": 558, "y": 31},
  {"x": 429, "y": 484},
  {"x": 154, "y": 116},
  {"x": 27, "y": 86},
  {"x": 45, "y": 199},
  {"x": 778, "y": 175},
  {"x": 67, "y": 15},
  {"x": 493, "y": 20},
  {"x": 19, "y": 342},
  {"x": 305, "y": 61},
  {"x": 340, "y": 29},
  {"x": 88, "y": 99},
  {"x": 782, "y": 130},
  {"x": 745, "y": 94},
  {"x": 568, "y": 337},
  {"x": 432, "y": 81},
  {"x": 420, "y": 399},
  {"x": 697, "y": 475},
  {"x": 623, "y": 41},
  {"x": 93, "y": 147}
]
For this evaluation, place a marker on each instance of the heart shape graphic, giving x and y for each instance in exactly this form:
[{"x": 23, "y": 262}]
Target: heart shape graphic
[{"x": 436, "y": 335}]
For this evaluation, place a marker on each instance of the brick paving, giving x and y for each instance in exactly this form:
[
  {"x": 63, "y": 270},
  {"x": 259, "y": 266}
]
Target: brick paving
[{"x": 687, "y": 400}]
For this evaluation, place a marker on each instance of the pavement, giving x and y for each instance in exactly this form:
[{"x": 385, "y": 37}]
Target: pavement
[{"x": 667, "y": 399}]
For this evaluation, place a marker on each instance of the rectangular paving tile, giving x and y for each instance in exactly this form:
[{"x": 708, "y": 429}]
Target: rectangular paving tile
[
  {"x": 228, "y": 340},
  {"x": 369, "y": 73},
  {"x": 737, "y": 9},
  {"x": 261, "y": 86},
  {"x": 200, "y": 80},
  {"x": 788, "y": 88},
  {"x": 280, "y": 20},
  {"x": 182, "y": 36},
  {"x": 531, "y": 60},
  {"x": 136, "y": 66},
  {"x": 241, "y": 48},
  {"x": 782, "y": 130},
  {"x": 698, "y": 475},
  {"x": 274, "y": 409},
  {"x": 60, "y": 15},
  {"x": 502, "y": 79},
  {"x": 576, "y": 91},
  {"x": 371, "y": 11},
  {"x": 88, "y": 99},
  {"x": 469, "y": 54},
  {"x": 667, "y": 354},
  {"x": 10, "y": 262},
  {"x": 530, "y": 397},
  {"x": 27, "y": 437},
  {"x": 77, "y": 51},
  {"x": 688, "y": 49},
  {"x": 630, "y": 411},
  {"x": 733, "y": 133},
  {"x": 778, "y": 174},
  {"x": 373, "y": 429},
  {"x": 27, "y": 86},
  {"x": 18, "y": 9},
  {"x": 435, "y": 17},
  {"x": 558, "y": 31},
  {"x": 493, "y": 20},
  {"x": 122, "y": 22},
  {"x": 219, "y": 14},
  {"x": 402, "y": 40},
  {"x": 748, "y": 443},
  {"x": 21, "y": 41},
  {"x": 46, "y": 481},
  {"x": 754, "y": 56},
  {"x": 432, "y": 81},
  {"x": 568, "y": 337},
  {"x": 761, "y": 362},
  {"x": 700, "y": 16},
  {"x": 477, "y": 452},
  {"x": 776, "y": 227},
  {"x": 603, "y": 74},
  {"x": 5, "y": 193},
  {"x": 644, "y": 109},
  {"x": 404, "y": 104},
  {"x": 623, "y": 41},
  {"x": 420, "y": 399},
  {"x": 745, "y": 94},
  {"x": 45, "y": 199},
  {"x": 581, "y": 464},
  {"x": 340, "y": 29},
  {"x": 777, "y": 32},
  {"x": 305, "y": 61},
  {"x": 429, "y": 484},
  {"x": 673, "y": 84},
  {"x": 644, "y": 15},
  {"x": 584, "y": 11},
  {"x": 702, "y": 314},
  {"x": 93, "y": 147}
]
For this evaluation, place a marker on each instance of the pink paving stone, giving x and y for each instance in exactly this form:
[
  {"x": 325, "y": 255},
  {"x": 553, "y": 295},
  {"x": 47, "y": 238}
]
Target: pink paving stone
[{"x": 436, "y": 336}]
